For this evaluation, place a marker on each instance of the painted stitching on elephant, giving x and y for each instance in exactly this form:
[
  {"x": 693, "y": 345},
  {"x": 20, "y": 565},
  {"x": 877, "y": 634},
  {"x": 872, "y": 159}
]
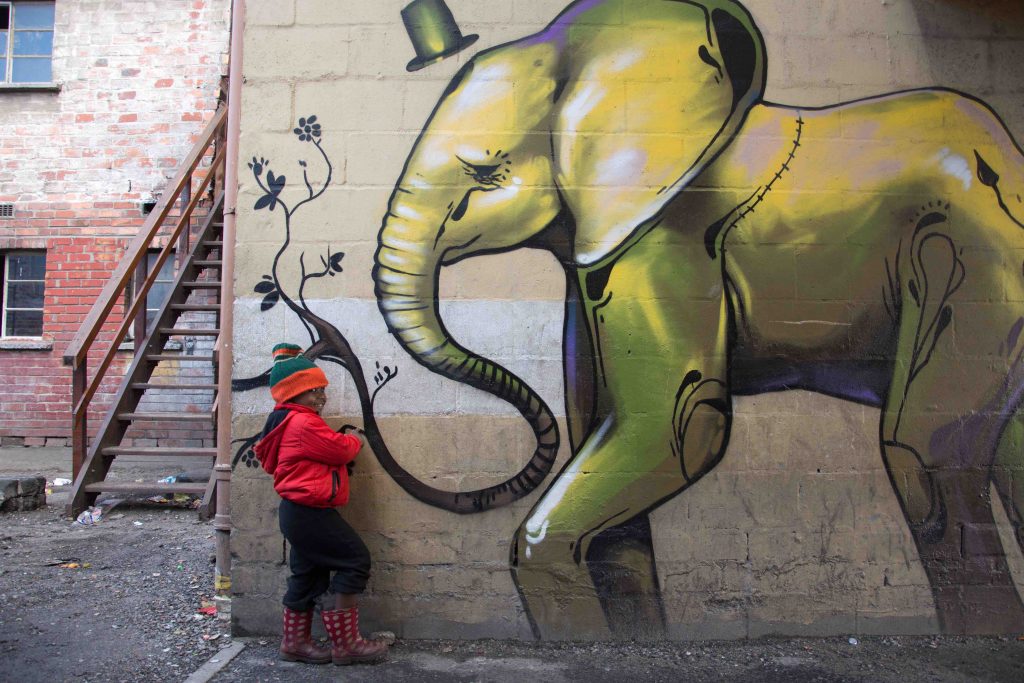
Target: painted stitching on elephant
[
  {"x": 718, "y": 231},
  {"x": 633, "y": 217}
]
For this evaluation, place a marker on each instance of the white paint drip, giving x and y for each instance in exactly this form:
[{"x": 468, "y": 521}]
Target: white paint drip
[{"x": 537, "y": 525}]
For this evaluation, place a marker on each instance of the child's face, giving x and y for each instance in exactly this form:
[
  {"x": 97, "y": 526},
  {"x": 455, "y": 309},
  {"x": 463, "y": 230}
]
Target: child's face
[{"x": 314, "y": 398}]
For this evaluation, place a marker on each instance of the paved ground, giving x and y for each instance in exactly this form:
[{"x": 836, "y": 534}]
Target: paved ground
[
  {"x": 895, "y": 660},
  {"x": 56, "y": 462},
  {"x": 134, "y": 614}
]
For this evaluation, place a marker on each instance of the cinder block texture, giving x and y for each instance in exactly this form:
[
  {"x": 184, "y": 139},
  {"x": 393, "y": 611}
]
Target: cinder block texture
[{"x": 774, "y": 327}]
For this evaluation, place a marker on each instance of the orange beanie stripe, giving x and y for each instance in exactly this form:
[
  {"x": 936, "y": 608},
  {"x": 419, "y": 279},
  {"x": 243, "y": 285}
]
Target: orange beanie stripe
[{"x": 298, "y": 382}]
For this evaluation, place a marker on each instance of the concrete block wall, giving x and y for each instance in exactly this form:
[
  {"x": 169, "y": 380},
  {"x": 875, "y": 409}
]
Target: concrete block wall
[
  {"x": 138, "y": 80},
  {"x": 797, "y": 531}
]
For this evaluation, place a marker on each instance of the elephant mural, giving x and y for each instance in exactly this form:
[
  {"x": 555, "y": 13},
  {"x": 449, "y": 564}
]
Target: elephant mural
[{"x": 632, "y": 140}]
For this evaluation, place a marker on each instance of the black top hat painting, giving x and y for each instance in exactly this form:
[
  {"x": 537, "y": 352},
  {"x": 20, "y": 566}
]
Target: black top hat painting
[{"x": 433, "y": 32}]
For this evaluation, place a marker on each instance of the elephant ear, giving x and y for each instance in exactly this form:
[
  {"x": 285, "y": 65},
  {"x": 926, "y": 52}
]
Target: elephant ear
[{"x": 648, "y": 103}]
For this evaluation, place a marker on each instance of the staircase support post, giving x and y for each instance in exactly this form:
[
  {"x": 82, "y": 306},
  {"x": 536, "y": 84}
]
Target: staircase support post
[
  {"x": 186, "y": 199},
  {"x": 139, "y": 329},
  {"x": 79, "y": 419}
]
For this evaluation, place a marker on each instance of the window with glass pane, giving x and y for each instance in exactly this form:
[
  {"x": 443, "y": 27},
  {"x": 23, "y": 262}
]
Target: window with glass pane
[
  {"x": 23, "y": 289},
  {"x": 161, "y": 288},
  {"x": 26, "y": 42}
]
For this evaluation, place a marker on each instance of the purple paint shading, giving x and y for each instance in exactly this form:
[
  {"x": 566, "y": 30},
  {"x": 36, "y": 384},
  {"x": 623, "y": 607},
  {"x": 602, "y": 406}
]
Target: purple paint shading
[
  {"x": 555, "y": 31},
  {"x": 865, "y": 382},
  {"x": 1011, "y": 340}
]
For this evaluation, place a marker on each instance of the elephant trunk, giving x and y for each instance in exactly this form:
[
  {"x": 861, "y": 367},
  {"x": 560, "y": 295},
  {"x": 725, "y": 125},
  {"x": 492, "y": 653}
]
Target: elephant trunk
[{"x": 405, "y": 276}]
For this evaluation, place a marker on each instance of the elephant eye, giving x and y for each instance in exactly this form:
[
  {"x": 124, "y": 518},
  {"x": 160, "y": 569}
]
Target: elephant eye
[{"x": 489, "y": 175}]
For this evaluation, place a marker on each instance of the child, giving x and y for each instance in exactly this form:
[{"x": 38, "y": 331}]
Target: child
[{"x": 308, "y": 461}]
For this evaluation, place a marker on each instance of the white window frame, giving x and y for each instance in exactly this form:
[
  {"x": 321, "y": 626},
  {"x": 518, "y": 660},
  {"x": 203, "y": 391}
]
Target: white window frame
[
  {"x": 4, "y": 294},
  {"x": 9, "y": 55}
]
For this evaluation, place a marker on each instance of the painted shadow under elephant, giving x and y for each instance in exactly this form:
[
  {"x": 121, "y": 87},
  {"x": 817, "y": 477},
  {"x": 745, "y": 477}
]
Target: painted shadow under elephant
[{"x": 716, "y": 244}]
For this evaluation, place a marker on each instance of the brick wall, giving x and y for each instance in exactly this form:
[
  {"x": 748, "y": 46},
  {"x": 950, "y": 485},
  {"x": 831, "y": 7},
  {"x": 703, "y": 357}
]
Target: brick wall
[{"x": 137, "y": 81}]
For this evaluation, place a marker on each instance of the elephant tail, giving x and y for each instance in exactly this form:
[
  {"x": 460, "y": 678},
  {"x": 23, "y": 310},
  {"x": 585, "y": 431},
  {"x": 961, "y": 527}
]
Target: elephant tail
[{"x": 335, "y": 347}]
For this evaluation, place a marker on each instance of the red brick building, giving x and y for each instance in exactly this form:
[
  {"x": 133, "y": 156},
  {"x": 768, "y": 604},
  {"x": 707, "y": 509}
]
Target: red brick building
[{"x": 99, "y": 102}]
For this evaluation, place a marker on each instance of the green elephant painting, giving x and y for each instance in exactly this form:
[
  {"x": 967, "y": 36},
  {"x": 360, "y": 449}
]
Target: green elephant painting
[{"x": 716, "y": 244}]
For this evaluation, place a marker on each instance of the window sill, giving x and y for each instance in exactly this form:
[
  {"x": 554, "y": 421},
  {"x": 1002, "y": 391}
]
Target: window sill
[
  {"x": 30, "y": 87},
  {"x": 13, "y": 344}
]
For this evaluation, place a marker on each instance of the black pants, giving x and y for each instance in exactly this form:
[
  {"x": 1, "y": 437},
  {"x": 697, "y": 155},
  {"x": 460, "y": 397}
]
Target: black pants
[{"x": 321, "y": 542}]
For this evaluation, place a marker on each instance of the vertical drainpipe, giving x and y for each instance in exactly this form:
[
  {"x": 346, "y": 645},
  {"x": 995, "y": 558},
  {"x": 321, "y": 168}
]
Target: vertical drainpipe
[{"x": 222, "y": 469}]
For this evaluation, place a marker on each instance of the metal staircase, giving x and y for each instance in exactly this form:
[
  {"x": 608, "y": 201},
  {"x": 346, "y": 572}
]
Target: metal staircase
[{"x": 186, "y": 227}]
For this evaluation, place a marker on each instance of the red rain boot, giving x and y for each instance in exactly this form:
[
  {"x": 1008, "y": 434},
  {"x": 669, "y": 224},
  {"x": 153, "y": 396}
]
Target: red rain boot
[
  {"x": 296, "y": 642},
  {"x": 348, "y": 647}
]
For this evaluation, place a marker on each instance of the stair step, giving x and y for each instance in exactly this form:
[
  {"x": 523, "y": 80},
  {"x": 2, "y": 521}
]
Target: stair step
[
  {"x": 143, "y": 386},
  {"x": 207, "y": 284},
  {"x": 177, "y": 356},
  {"x": 196, "y": 307},
  {"x": 208, "y": 263},
  {"x": 213, "y": 243},
  {"x": 164, "y": 417},
  {"x": 188, "y": 331},
  {"x": 160, "y": 451},
  {"x": 197, "y": 488}
]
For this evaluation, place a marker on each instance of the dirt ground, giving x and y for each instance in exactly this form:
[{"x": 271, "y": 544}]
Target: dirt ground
[
  {"x": 121, "y": 601},
  {"x": 118, "y": 601}
]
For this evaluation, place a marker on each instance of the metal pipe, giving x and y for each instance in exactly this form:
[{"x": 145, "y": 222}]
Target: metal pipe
[{"x": 222, "y": 470}]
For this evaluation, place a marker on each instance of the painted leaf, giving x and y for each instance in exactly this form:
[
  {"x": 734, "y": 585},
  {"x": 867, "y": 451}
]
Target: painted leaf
[
  {"x": 336, "y": 261},
  {"x": 275, "y": 182},
  {"x": 264, "y": 287},
  {"x": 944, "y": 319},
  {"x": 269, "y": 301},
  {"x": 912, "y": 285},
  {"x": 263, "y": 202}
]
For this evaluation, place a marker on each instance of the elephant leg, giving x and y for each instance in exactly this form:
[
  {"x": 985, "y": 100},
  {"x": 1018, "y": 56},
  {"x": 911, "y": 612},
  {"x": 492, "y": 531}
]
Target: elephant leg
[
  {"x": 582, "y": 560},
  {"x": 1008, "y": 474},
  {"x": 948, "y": 404},
  {"x": 622, "y": 567}
]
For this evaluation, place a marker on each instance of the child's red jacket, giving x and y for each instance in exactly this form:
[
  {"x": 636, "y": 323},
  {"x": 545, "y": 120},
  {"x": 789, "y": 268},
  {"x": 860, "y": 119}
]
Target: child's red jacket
[{"x": 307, "y": 458}]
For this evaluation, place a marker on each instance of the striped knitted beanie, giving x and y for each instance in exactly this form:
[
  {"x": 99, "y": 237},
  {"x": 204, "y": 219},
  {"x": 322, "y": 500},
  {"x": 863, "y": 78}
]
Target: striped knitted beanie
[{"x": 293, "y": 373}]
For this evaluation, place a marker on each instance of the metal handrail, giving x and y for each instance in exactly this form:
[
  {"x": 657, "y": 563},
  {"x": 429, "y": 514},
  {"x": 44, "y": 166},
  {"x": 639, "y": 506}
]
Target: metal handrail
[{"x": 120, "y": 282}]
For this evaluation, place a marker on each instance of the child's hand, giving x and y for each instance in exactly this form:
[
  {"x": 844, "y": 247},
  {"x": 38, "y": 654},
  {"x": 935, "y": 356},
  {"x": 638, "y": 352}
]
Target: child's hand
[{"x": 361, "y": 435}]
